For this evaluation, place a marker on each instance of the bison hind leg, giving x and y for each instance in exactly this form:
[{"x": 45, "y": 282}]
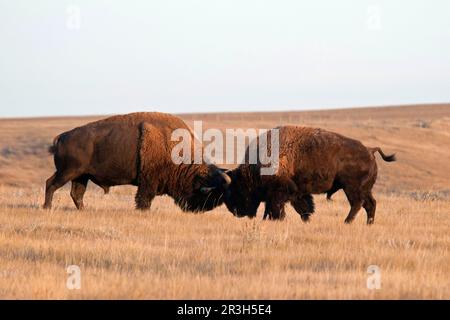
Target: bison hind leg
[
  {"x": 370, "y": 205},
  {"x": 355, "y": 200},
  {"x": 49, "y": 190},
  {"x": 102, "y": 185},
  {"x": 56, "y": 181},
  {"x": 304, "y": 205},
  {"x": 78, "y": 190}
]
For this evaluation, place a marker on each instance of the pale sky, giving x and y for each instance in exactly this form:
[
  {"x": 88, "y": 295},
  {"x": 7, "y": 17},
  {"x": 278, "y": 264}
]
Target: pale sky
[{"x": 205, "y": 56}]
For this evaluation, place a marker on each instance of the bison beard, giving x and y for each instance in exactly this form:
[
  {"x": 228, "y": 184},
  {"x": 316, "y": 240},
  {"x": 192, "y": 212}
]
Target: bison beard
[
  {"x": 133, "y": 149},
  {"x": 312, "y": 161}
]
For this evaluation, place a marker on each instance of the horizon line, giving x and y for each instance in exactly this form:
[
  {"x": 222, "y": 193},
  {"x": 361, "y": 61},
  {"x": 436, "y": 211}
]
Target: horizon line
[{"x": 322, "y": 109}]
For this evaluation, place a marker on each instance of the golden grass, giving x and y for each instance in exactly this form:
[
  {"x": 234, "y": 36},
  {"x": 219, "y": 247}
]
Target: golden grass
[{"x": 168, "y": 254}]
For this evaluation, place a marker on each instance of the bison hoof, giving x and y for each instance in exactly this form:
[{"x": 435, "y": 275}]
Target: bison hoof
[
  {"x": 348, "y": 221},
  {"x": 370, "y": 221}
]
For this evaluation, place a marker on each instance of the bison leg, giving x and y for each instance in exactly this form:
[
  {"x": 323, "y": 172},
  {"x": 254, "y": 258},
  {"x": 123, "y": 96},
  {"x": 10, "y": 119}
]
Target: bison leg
[
  {"x": 49, "y": 190},
  {"x": 370, "y": 205},
  {"x": 355, "y": 201},
  {"x": 144, "y": 196},
  {"x": 274, "y": 210},
  {"x": 101, "y": 185},
  {"x": 277, "y": 196},
  {"x": 56, "y": 181},
  {"x": 268, "y": 212},
  {"x": 304, "y": 205},
  {"x": 78, "y": 190},
  {"x": 275, "y": 204}
]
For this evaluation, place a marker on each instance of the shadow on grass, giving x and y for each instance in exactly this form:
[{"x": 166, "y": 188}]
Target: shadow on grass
[
  {"x": 39, "y": 207},
  {"x": 22, "y": 206}
]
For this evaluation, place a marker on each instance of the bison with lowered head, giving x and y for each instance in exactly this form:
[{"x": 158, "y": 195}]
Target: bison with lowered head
[
  {"x": 133, "y": 149},
  {"x": 311, "y": 161}
]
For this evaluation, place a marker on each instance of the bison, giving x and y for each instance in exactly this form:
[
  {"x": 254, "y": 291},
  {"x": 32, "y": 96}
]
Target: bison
[
  {"x": 311, "y": 161},
  {"x": 133, "y": 149}
]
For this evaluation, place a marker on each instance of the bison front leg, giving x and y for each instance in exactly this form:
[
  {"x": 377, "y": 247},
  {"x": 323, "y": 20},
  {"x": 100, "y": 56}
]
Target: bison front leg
[
  {"x": 275, "y": 203},
  {"x": 144, "y": 196},
  {"x": 274, "y": 209}
]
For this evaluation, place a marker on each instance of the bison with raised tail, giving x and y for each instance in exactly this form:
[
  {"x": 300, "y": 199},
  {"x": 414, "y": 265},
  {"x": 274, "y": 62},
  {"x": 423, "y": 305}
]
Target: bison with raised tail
[
  {"x": 133, "y": 149},
  {"x": 311, "y": 161}
]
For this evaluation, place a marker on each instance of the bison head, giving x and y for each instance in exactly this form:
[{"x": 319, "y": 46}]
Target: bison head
[
  {"x": 243, "y": 196},
  {"x": 208, "y": 186}
]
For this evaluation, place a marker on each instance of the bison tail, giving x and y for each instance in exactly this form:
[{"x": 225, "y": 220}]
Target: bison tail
[
  {"x": 387, "y": 158},
  {"x": 52, "y": 149}
]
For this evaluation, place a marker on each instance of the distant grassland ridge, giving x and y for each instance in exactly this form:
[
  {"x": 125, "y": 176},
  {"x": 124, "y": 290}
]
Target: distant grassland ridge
[
  {"x": 419, "y": 135},
  {"x": 165, "y": 253}
]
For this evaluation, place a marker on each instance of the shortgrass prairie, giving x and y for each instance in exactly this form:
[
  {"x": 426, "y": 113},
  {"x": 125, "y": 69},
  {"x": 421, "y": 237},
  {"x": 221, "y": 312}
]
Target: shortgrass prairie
[{"x": 167, "y": 254}]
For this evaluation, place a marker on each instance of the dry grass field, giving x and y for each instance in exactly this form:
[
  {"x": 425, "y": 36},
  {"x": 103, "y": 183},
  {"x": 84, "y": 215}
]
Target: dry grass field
[{"x": 168, "y": 254}]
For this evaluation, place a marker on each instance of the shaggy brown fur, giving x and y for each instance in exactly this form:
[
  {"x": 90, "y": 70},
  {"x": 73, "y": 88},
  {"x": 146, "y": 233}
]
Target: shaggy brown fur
[
  {"x": 311, "y": 161},
  {"x": 133, "y": 149}
]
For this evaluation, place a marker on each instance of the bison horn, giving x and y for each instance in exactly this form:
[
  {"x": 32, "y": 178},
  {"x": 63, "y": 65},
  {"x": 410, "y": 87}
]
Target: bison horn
[{"x": 226, "y": 178}]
